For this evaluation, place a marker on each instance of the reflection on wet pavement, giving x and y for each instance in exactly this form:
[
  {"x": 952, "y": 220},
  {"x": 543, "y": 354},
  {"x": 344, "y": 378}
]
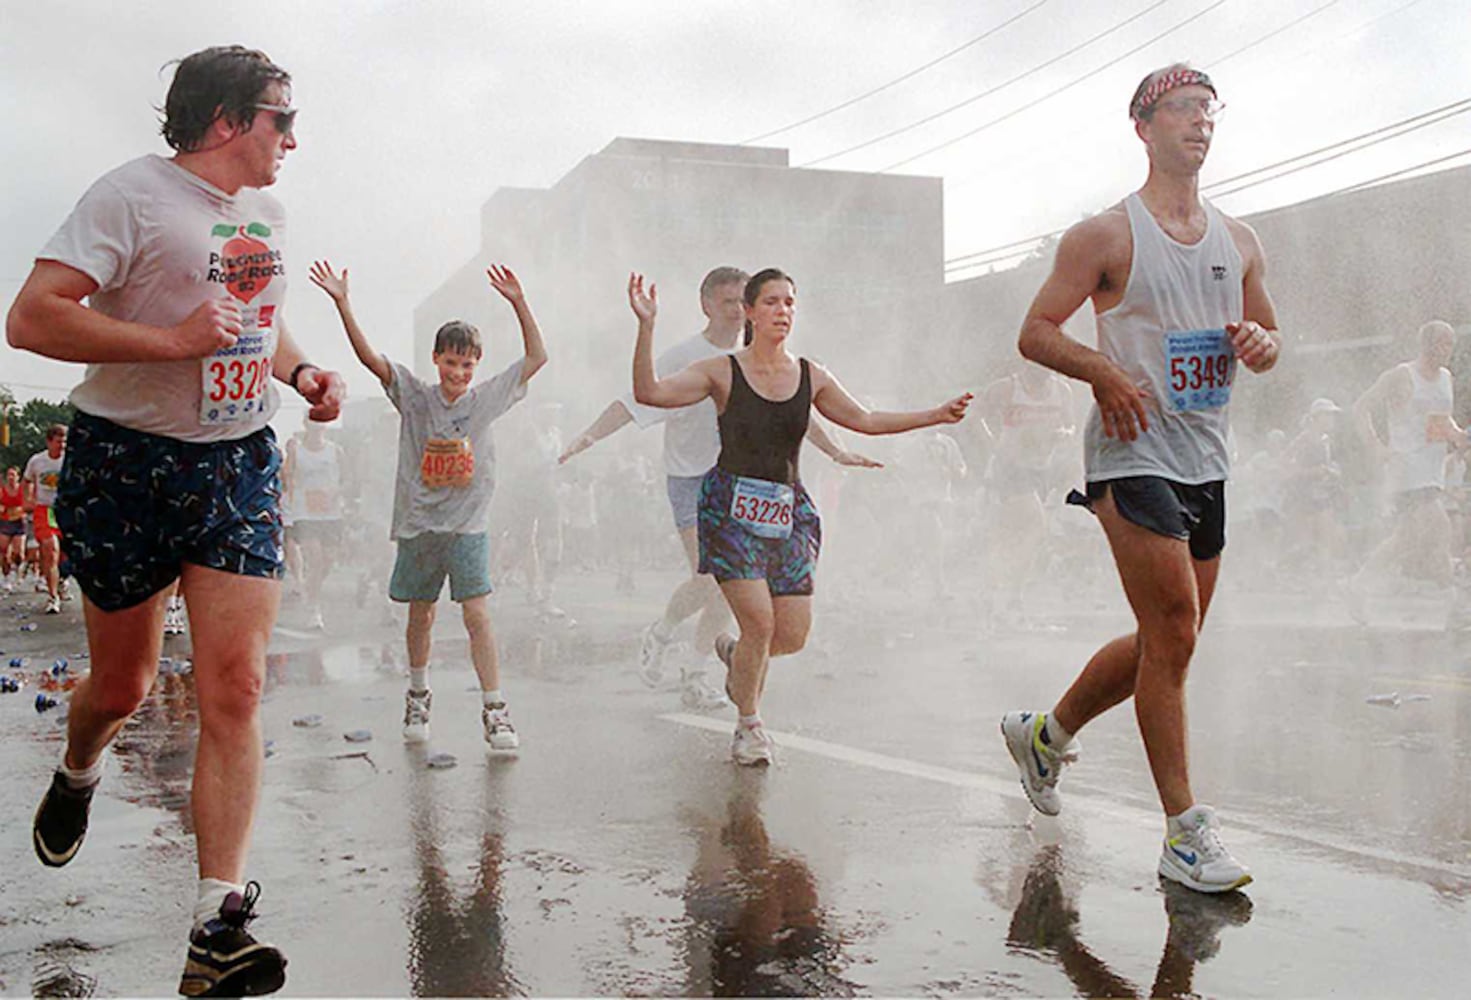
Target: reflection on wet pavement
[
  {"x": 1046, "y": 923},
  {"x": 756, "y": 927},
  {"x": 456, "y": 927}
]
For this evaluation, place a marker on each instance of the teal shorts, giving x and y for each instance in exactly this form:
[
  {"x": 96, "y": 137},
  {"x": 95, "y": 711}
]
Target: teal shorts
[{"x": 425, "y": 560}]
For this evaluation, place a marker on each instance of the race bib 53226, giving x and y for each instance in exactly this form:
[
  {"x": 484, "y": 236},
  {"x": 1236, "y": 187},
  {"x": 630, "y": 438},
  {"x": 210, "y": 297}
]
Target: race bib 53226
[{"x": 764, "y": 508}]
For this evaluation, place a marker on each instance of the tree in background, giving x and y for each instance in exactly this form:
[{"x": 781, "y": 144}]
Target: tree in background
[{"x": 25, "y": 424}]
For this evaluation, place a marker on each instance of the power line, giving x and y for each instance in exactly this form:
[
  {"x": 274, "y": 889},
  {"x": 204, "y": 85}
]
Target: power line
[
  {"x": 986, "y": 93},
  {"x": 1399, "y": 173},
  {"x": 897, "y": 80},
  {"x": 1338, "y": 155},
  {"x": 1273, "y": 34},
  {"x": 1279, "y": 30},
  {"x": 1053, "y": 93},
  {"x": 1454, "y": 108},
  {"x": 995, "y": 254}
]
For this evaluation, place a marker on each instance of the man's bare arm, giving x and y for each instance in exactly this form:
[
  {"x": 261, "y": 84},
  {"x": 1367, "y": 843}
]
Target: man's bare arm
[
  {"x": 1077, "y": 272},
  {"x": 611, "y": 419}
]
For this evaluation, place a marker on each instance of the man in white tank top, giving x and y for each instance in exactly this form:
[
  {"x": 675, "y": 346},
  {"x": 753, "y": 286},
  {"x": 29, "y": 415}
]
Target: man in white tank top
[
  {"x": 1179, "y": 294},
  {"x": 1417, "y": 400}
]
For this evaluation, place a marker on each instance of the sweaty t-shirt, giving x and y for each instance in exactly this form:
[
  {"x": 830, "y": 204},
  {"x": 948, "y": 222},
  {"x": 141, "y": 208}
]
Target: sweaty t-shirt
[
  {"x": 691, "y": 433},
  {"x": 446, "y": 454},
  {"x": 45, "y": 472},
  {"x": 160, "y": 241}
]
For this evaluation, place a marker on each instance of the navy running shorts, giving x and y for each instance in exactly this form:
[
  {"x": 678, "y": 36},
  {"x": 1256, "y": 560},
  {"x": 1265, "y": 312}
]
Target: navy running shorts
[
  {"x": 729, "y": 551},
  {"x": 134, "y": 507},
  {"x": 1193, "y": 513}
]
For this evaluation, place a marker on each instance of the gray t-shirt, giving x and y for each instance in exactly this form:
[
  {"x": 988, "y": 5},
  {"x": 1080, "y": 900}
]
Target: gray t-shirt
[
  {"x": 446, "y": 454},
  {"x": 160, "y": 241}
]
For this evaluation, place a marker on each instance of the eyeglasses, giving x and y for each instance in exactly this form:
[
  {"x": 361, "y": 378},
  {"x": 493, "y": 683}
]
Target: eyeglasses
[
  {"x": 284, "y": 117},
  {"x": 1209, "y": 106}
]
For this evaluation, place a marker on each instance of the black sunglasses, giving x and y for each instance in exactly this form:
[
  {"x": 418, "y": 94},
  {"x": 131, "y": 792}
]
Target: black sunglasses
[{"x": 284, "y": 117}]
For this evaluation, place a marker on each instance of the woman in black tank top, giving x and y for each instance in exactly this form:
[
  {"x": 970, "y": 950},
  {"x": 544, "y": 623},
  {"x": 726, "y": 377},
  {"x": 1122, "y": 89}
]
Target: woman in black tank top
[{"x": 759, "y": 531}]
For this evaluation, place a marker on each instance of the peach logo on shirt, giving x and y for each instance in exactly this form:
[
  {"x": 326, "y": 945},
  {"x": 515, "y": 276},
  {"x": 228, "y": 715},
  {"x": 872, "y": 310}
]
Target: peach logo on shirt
[{"x": 246, "y": 264}]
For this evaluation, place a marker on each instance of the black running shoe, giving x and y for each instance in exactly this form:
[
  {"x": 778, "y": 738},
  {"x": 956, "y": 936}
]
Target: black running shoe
[
  {"x": 225, "y": 961},
  {"x": 61, "y": 821}
]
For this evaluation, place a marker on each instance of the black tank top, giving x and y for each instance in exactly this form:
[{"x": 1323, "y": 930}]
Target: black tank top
[{"x": 759, "y": 438}]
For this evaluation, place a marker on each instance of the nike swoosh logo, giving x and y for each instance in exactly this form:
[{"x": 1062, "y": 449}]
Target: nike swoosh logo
[
  {"x": 1041, "y": 767},
  {"x": 1186, "y": 856}
]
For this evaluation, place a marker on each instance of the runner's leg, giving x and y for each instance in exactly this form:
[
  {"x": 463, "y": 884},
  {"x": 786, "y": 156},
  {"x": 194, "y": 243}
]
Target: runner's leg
[{"x": 231, "y": 618}]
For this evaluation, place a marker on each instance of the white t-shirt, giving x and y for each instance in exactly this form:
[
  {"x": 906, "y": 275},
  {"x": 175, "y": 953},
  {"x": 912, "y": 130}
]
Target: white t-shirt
[
  {"x": 446, "y": 454},
  {"x": 45, "y": 472},
  {"x": 691, "y": 433},
  {"x": 160, "y": 241},
  {"x": 316, "y": 489}
]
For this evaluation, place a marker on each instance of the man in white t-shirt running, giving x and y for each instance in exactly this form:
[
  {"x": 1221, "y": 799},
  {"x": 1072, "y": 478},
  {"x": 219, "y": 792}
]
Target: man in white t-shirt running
[
  {"x": 172, "y": 471},
  {"x": 1417, "y": 399},
  {"x": 1180, "y": 296},
  {"x": 691, "y": 444},
  {"x": 41, "y": 477}
]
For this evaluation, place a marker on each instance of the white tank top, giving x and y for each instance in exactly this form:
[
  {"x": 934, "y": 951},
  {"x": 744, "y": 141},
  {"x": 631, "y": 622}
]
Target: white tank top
[
  {"x": 1417, "y": 463},
  {"x": 1168, "y": 334},
  {"x": 1030, "y": 423},
  {"x": 317, "y": 489}
]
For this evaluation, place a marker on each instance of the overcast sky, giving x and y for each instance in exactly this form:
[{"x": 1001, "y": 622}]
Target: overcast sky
[{"x": 413, "y": 113}]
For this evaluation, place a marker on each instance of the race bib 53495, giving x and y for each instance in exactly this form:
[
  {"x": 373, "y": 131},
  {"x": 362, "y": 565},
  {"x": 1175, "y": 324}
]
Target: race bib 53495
[{"x": 1202, "y": 364}]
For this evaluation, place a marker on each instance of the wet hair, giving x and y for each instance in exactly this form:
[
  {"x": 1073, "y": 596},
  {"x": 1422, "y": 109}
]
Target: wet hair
[
  {"x": 224, "y": 81},
  {"x": 719, "y": 277},
  {"x": 55, "y": 431},
  {"x": 755, "y": 283},
  {"x": 459, "y": 337},
  {"x": 1160, "y": 82}
]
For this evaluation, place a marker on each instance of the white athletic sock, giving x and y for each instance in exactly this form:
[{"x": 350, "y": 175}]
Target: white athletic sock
[
  {"x": 212, "y": 893},
  {"x": 419, "y": 678},
  {"x": 1057, "y": 737},
  {"x": 81, "y": 777},
  {"x": 492, "y": 699},
  {"x": 751, "y": 721}
]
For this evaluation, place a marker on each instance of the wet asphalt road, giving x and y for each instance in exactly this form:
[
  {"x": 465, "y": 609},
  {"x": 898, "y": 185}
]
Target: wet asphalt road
[{"x": 889, "y": 852}]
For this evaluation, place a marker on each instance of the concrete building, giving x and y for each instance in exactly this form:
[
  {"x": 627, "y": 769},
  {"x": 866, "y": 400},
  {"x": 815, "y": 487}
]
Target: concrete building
[{"x": 862, "y": 247}]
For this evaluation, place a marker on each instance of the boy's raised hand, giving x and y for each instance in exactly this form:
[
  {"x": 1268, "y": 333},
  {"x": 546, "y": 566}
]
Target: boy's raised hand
[
  {"x": 645, "y": 304},
  {"x": 504, "y": 280},
  {"x": 329, "y": 281}
]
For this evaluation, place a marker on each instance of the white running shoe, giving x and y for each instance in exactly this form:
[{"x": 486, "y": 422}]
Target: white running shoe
[
  {"x": 752, "y": 747},
  {"x": 499, "y": 732},
  {"x": 416, "y": 715},
  {"x": 651, "y": 656},
  {"x": 53, "y": 605},
  {"x": 1041, "y": 766},
  {"x": 1194, "y": 855},
  {"x": 699, "y": 695},
  {"x": 64, "y": 589}
]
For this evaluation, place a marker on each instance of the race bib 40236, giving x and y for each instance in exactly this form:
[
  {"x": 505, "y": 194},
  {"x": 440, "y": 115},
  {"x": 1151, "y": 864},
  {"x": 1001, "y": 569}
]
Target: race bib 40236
[
  {"x": 762, "y": 507},
  {"x": 1202, "y": 364},
  {"x": 447, "y": 462}
]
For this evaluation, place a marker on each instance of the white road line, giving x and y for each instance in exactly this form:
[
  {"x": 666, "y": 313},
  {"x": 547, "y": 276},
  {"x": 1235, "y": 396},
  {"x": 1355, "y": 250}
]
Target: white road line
[
  {"x": 1119, "y": 811},
  {"x": 864, "y": 758},
  {"x": 292, "y": 633}
]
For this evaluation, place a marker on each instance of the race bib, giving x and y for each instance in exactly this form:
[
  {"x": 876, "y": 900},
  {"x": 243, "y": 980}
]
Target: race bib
[
  {"x": 447, "y": 462},
  {"x": 764, "y": 508},
  {"x": 234, "y": 379},
  {"x": 1202, "y": 364},
  {"x": 319, "y": 502}
]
